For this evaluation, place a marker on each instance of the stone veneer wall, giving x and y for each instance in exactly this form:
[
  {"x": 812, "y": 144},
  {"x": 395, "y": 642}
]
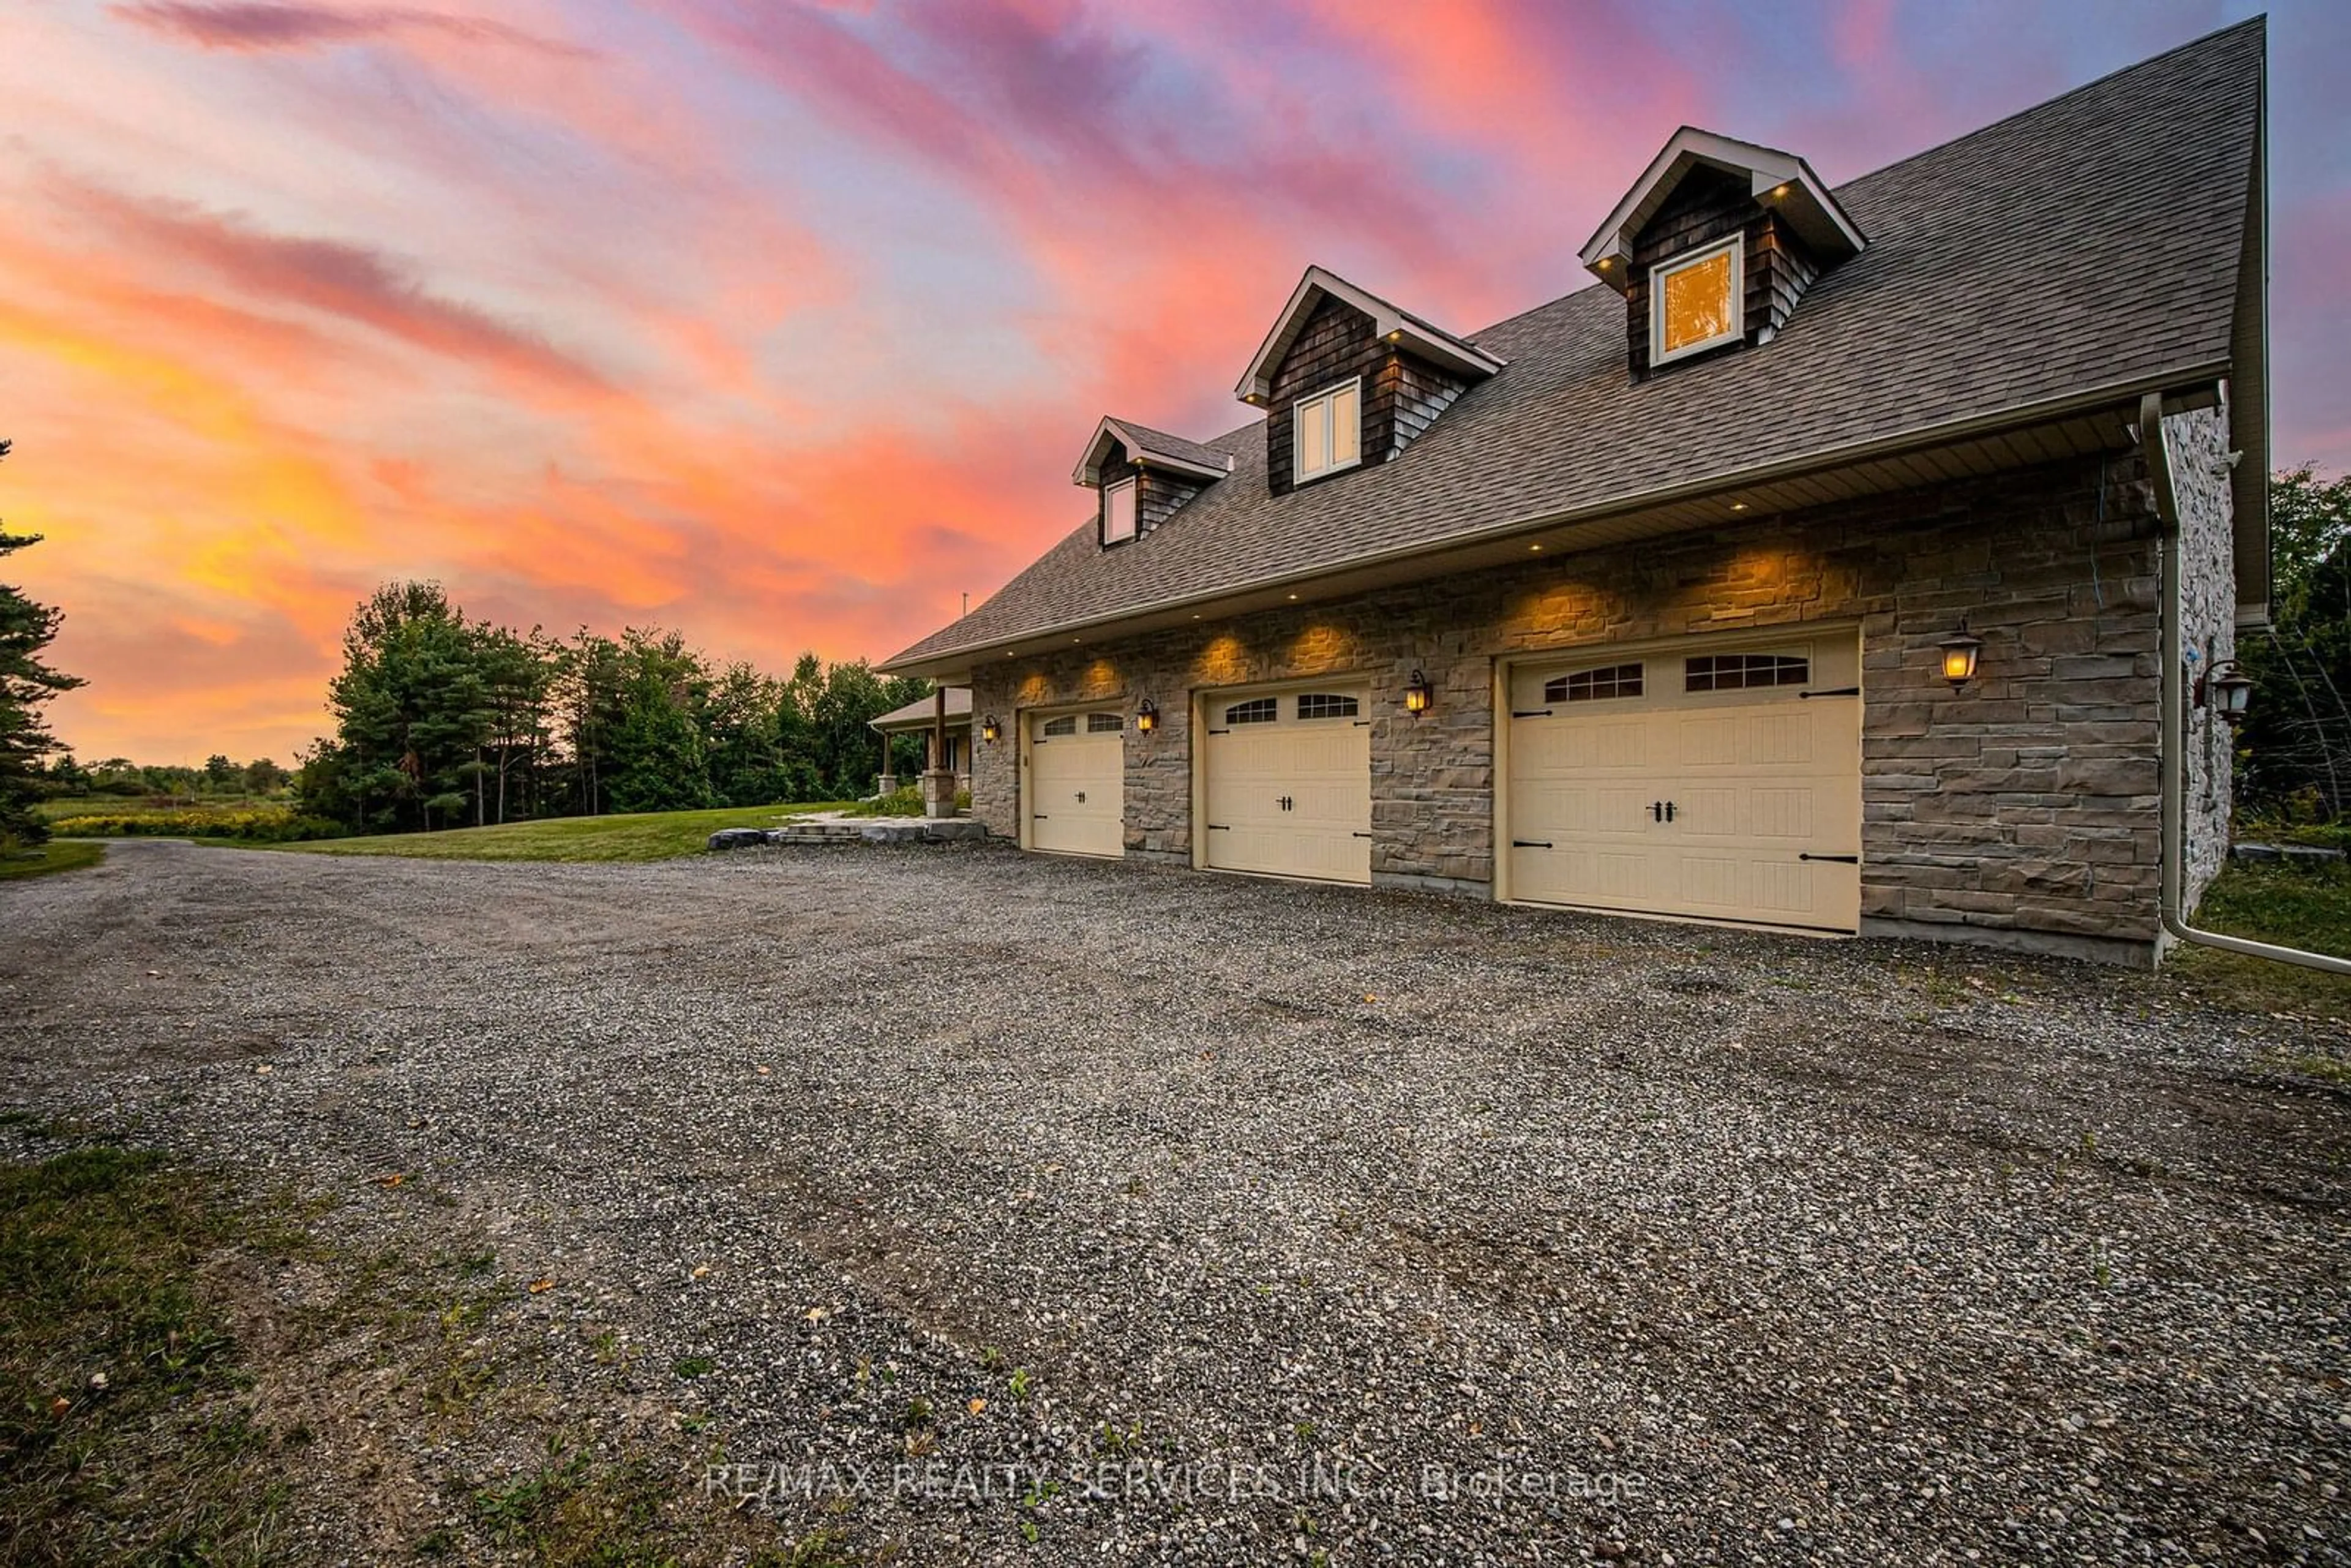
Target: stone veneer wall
[
  {"x": 2023, "y": 810},
  {"x": 2198, "y": 445}
]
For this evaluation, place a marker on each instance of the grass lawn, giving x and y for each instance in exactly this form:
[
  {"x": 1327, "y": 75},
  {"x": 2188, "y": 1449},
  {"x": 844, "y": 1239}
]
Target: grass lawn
[
  {"x": 183, "y": 1370},
  {"x": 647, "y": 836},
  {"x": 2291, "y": 906},
  {"x": 69, "y": 854}
]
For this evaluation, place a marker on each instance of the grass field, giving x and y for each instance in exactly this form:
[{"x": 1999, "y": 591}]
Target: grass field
[
  {"x": 2291, "y": 906},
  {"x": 650, "y": 836},
  {"x": 144, "y": 805},
  {"x": 52, "y": 856}
]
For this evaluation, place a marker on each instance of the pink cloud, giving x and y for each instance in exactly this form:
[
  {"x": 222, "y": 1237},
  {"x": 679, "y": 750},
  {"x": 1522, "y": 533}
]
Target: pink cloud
[{"x": 263, "y": 27}]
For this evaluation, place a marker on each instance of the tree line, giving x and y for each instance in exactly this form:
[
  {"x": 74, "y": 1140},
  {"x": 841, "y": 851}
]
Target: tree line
[
  {"x": 443, "y": 721},
  {"x": 2294, "y": 755}
]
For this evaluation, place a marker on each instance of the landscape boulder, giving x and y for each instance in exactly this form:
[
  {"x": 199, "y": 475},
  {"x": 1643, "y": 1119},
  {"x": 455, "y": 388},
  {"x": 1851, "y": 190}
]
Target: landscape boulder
[{"x": 738, "y": 837}]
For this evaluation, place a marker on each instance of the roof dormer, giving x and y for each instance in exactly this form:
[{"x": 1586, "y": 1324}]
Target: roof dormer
[
  {"x": 1141, "y": 476},
  {"x": 1714, "y": 245},
  {"x": 1348, "y": 380}
]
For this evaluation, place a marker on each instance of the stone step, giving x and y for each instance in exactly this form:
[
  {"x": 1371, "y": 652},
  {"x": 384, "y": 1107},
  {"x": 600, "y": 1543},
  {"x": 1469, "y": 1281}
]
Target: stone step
[
  {"x": 2292, "y": 854},
  {"x": 879, "y": 831}
]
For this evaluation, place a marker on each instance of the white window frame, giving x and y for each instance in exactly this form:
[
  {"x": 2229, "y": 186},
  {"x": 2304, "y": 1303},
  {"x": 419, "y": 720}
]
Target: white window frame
[
  {"x": 1132, "y": 489},
  {"x": 1736, "y": 247},
  {"x": 1321, "y": 402}
]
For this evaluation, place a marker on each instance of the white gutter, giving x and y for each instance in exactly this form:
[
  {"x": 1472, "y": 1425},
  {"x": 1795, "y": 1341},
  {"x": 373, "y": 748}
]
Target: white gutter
[{"x": 2175, "y": 721}]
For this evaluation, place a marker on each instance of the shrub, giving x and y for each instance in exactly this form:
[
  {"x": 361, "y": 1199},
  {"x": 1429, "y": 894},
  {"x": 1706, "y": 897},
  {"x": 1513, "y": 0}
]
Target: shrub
[
  {"x": 251, "y": 824},
  {"x": 904, "y": 802}
]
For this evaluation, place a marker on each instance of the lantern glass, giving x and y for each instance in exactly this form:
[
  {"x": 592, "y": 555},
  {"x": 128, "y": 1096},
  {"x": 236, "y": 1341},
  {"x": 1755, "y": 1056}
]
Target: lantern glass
[
  {"x": 1146, "y": 718},
  {"x": 2232, "y": 692},
  {"x": 1959, "y": 650},
  {"x": 1416, "y": 695},
  {"x": 989, "y": 731}
]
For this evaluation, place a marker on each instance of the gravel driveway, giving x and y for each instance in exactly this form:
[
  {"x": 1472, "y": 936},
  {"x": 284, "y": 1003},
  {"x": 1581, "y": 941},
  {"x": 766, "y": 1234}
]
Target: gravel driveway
[{"x": 1270, "y": 1221}]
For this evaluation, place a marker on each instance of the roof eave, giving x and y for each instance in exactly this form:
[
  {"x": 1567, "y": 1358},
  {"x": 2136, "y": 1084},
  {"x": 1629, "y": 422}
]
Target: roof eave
[{"x": 2119, "y": 394}]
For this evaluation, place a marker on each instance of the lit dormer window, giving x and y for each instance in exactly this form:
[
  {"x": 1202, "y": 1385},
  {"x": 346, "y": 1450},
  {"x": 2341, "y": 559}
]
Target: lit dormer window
[
  {"x": 1118, "y": 512},
  {"x": 1330, "y": 430},
  {"x": 1694, "y": 301}
]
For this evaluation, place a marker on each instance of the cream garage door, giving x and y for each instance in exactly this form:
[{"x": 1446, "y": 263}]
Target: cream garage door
[
  {"x": 1722, "y": 783},
  {"x": 1288, "y": 783},
  {"x": 1077, "y": 783}
]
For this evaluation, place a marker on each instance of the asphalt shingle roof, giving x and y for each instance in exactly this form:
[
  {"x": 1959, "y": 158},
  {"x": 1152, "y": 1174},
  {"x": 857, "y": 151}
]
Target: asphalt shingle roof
[
  {"x": 2092, "y": 240},
  {"x": 1160, "y": 442}
]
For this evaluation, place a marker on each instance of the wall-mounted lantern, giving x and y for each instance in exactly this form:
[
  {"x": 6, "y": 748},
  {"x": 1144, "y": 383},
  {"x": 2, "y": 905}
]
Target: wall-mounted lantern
[
  {"x": 989, "y": 730},
  {"x": 1960, "y": 652},
  {"x": 1146, "y": 716},
  {"x": 1417, "y": 694},
  {"x": 2226, "y": 690}
]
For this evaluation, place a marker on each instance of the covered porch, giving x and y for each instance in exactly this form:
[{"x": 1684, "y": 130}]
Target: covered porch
[{"x": 943, "y": 720}]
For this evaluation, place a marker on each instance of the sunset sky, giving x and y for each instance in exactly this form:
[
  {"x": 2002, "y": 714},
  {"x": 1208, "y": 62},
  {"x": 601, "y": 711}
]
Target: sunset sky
[{"x": 783, "y": 324}]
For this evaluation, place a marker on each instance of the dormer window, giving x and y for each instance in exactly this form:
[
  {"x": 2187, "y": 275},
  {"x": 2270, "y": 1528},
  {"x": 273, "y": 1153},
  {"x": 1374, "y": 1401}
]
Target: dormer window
[
  {"x": 1694, "y": 301},
  {"x": 1329, "y": 431},
  {"x": 1715, "y": 244},
  {"x": 1118, "y": 512}
]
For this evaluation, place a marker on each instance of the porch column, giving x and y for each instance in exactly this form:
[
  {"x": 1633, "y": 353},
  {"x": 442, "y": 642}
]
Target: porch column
[{"x": 939, "y": 780}]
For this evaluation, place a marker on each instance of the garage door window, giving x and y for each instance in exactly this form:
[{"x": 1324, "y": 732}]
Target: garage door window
[
  {"x": 1104, "y": 723},
  {"x": 1326, "y": 704},
  {"x": 1065, "y": 725},
  {"x": 1595, "y": 686},
  {"x": 1741, "y": 672},
  {"x": 1257, "y": 710}
]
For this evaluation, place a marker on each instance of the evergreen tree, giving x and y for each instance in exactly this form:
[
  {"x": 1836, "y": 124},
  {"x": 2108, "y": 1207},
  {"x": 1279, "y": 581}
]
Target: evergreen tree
[{"x": 26, "y": 628}]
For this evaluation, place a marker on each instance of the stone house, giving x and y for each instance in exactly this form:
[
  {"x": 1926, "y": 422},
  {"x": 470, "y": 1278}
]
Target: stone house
[{"x": 1809, "y": 568}]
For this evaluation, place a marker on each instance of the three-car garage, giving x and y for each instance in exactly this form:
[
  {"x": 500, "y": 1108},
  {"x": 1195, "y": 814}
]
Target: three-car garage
[{"x": 1714, "y": 777}]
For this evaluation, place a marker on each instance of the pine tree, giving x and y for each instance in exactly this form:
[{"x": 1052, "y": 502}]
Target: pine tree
[{"x": 26, "y": 629}]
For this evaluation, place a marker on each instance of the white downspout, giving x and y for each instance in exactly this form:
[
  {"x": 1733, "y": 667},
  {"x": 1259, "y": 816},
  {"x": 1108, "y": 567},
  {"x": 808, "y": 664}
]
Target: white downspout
[{"x": 2175, "y": 726}]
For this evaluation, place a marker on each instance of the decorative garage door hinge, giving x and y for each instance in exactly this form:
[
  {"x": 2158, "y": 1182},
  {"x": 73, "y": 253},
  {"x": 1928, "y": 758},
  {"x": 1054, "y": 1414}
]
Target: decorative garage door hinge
[
  {"x": 1220, "y": 827},
  {"x": 1841, "y": 859},
  {"x": 1363, "y": 835},
  {"x": 1839, "y": 692},
  {"x": 1530, "y": 713},
  {"x": 1531, "y": 843}
]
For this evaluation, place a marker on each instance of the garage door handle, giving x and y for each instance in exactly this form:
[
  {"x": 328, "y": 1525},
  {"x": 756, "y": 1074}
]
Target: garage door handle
[
  {"x": 1082, "y": 797},
  {"x": 1839, "y": 692},
  {"x": 1841, "y": 859},
  {"x": 1530, "y": 713},
  {"x": 1531, "y": 843},
  {"x": 1661, "y": 810}
]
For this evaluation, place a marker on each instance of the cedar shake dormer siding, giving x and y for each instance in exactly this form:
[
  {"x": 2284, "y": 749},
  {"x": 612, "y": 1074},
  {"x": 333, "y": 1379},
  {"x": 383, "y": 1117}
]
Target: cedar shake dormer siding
[
  {"x": 1707, "y": 206},
  {"x": 1403, "y": 394},
  {"x": 1158, "y": 492}
]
